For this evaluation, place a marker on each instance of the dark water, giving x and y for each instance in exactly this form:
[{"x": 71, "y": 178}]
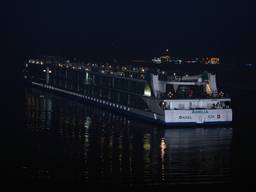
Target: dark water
[{"x": 66, "y": 140}]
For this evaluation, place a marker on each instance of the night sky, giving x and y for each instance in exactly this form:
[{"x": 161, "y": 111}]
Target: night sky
[{"x": 141, "y": 30}]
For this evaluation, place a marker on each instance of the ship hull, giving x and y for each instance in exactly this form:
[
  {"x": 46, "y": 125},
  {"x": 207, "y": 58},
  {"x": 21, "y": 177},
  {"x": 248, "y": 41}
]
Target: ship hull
[{"x": 167, "y": 118}]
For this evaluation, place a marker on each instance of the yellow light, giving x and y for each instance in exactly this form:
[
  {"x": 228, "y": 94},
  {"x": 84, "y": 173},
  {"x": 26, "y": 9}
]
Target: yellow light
[
  {"x": 162, "y": 147},
  {"x": 146, "y": 146},
  {"x": 208, "y": 89},
  {"x": 214, "y": 60}
]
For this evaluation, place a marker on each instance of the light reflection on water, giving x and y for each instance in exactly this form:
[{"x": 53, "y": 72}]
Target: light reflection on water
[{"x": 82, "y": 142}]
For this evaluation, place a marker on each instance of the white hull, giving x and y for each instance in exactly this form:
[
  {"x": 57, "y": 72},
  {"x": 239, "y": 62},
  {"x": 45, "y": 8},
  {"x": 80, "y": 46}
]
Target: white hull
[{"x": 198, "y": 116}]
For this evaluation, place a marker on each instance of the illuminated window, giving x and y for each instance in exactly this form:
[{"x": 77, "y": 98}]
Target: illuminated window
[{"x": 147, "y": 90}]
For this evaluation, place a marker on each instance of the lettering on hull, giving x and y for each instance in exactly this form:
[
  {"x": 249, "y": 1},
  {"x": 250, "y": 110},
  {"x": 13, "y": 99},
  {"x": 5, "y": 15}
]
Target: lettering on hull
[
  {"x": 200, "y": 111},
  {"x": 185, "y": 117}
]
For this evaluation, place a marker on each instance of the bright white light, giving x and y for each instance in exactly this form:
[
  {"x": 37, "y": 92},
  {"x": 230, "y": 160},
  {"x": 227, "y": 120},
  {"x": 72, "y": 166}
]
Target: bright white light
[
  {"x": 86, "y": 76},
  {"x": 147, "y": 90},
  {"x": 44, "y": 70},
  {"x": 50, "y": 71}
]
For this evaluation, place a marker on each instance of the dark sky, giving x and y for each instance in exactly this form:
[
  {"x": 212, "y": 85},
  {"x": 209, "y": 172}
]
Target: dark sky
[{"x": 129, "y": 29}]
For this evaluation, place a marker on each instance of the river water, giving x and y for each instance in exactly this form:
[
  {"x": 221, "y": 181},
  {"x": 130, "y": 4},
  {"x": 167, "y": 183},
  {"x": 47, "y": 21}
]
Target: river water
[{"x": 67, "y": 140}]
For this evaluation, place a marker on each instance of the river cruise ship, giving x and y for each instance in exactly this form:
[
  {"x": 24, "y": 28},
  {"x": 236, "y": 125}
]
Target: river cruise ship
[{"x": 169, "y": 98}]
